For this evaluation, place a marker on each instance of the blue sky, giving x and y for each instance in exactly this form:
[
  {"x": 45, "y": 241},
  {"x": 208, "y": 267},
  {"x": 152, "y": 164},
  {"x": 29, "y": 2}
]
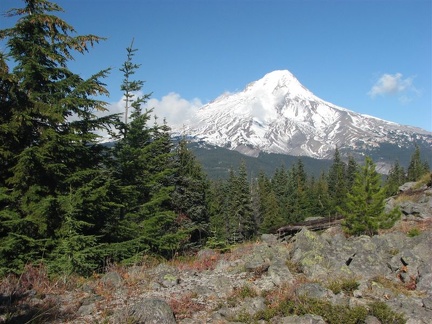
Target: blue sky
[{"x": 373, "y": 56}]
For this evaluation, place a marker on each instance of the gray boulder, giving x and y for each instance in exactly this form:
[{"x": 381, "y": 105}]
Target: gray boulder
[
  {"x": 149, "y": 311},
  {"x": 295, "y": 319}
]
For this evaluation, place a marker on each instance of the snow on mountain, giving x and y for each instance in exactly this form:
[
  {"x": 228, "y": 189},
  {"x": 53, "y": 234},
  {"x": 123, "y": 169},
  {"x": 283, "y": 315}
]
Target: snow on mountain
[{"x": 277, "y": 114}]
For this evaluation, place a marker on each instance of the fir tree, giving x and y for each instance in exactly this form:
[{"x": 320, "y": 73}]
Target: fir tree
[
  {"x": 219, "y": 212},
  {"x": 337, "y": 183},
  {"x": 190, "y": 196},
  {"x": 364, "y": 209},
  {"x": 271, "y": 218},
  {"x": 319, "y": 196},
  {"x": 395, "y": 179},
  {"x": 130, "y": 87},
  {"x": 239, "y": 210},
  {"x": 299, "y": 203},
  {"x": 416, "y": 167},
  {"x": 351, "y": 171},
  {"x": 280, "y": 186},
  {"x": 46, "y": 153}
]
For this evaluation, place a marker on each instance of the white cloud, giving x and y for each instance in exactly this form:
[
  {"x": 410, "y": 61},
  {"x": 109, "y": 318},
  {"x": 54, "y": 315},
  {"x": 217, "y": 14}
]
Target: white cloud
[
  {"x": 176, "y": 110},
  {"x": 391, "y": 84}
]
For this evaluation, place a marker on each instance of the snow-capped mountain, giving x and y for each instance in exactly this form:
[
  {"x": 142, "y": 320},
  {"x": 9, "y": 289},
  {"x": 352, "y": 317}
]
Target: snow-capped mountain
[{"x": 277, "y": 114}]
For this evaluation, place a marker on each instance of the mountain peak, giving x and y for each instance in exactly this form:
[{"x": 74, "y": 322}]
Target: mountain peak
[
  {"x": 277, "y": 114},
  {"x": 280, "y": 82}
]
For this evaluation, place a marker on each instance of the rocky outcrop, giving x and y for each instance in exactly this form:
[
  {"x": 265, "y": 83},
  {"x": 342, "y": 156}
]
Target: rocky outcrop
[
  {"x": 414, "y": 202},
  {"x": 392, "y": 268},
  {"x": 244, "y": 285}
]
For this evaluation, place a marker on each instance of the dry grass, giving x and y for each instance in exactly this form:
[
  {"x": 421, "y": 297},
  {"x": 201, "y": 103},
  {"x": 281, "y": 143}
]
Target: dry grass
[
  {"x": 33, "y": 297},
  {"x": 185, "y": 305},
  {"x": 409, "y": 227},
  {"x": 205, "y": 262},
  {"x": 398, "y": 288}
]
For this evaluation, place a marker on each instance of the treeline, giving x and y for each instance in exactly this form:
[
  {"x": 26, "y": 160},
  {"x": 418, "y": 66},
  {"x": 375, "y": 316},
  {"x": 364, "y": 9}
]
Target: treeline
[
  {"x": 241, "y": 209},
  {"x": 73, "y": 204}
]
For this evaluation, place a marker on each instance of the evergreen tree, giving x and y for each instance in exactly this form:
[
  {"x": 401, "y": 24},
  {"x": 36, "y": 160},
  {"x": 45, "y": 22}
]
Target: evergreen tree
[
  {"x": 46, "y": 154},
  {"x": 241, "y": 224},
  {"x": 298, "y": 200},
  {"x": 280, "y": 186},
  {"x": 364, "y": 209},
  {"x": 131, "y": 87},
  {"x": 337, "y": 183},
  {"x": 219, "y": 213},
  {"x": 272, "y": 218},
  {"x": 416, "y": 167},
  {"x": 395, "y": 179},
  {"x": 319, "y": 196},
  {"x": 261, "y": 190},
  {"x": 351, "y": 171},
  {"x": 190, "y": 197}
]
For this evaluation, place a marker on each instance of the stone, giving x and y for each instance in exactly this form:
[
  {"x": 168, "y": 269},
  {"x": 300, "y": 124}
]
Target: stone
[
  {"x": 112, "y": 279},
  {"x": 150, "y": 311},
  {"x": 295, "y": 319},
  {"x": 371, "y": 320},
  {"x": 270, "y": 239},
  {"x": 314, "y": 290},
  {"x": 279, "y": 273}
]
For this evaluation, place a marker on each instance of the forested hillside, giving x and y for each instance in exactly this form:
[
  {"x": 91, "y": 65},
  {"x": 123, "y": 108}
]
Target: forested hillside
[{"x": 73, "y": 204}]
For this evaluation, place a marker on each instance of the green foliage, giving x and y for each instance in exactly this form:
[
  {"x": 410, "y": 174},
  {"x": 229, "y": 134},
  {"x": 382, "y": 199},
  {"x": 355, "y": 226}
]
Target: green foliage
[
  {"x": 337, "y": 183},
  {"x": 190, "y": 197},
  {"x": 75, "y": 204},
  {"x": 240, "y": 293},
  {"x": 413, "y": 232},
  {"x": 395, "y": 179},
  {"x": 44, "y": 151},
  {"x": 347, "y": 285},
  {"x": 331, "y": 313},
  {"x": 364, "y": 208},
  {"x": 303, "y": 305},
  {"x": 416, "y": 168},
  {"x": 272, "y": 218},
  {"x": 383, "y": 312}
]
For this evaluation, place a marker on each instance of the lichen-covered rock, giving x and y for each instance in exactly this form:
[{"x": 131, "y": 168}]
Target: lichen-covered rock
[
  {"x": 295, "y": 319},
  {"x": 280, "y": 273},
  {"x": 314, "y": 290},
  {"x": 166, "y": 276},
  {"x": 112, "y": 279},
  {"x": 149, "y": 311}
]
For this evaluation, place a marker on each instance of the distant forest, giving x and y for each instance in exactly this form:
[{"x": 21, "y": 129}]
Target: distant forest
[{"x": 73, "y": 204}]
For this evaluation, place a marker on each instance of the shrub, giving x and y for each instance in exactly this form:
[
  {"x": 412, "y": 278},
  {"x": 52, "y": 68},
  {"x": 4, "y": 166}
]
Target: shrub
[
  {"x": 413, "y": 232},
  {"x": 383, "y": 312},
  {"x": 346, "y": 285}
]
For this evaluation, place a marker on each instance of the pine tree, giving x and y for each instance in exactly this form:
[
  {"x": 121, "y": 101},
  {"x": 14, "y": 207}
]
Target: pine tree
[
  {"x": 280, "y": 186},
  {"x": 272, "y": 218},
  {"x": 319, "y": 196},
  {"x": 416, "y": 167},
  {"x": 241, "y": 225},
  {"x": 351, "y": 171},
  {"x": 395, "y": 179},
  {"x": 159, "y": 226},
  {"x": 299, "y": 203},
  {"x": 190, "y": 196},
  {"x": 337, "y": 186},
  {"x": 364, "y": 209},
  {"x": 130, "y": 87},
  {"x": 46, "y": 153},
  {"x": 219, "y": 216}
]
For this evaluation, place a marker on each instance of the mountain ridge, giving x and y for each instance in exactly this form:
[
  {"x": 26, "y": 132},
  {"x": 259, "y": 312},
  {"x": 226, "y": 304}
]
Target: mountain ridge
[{"x": 277, "y": 114}]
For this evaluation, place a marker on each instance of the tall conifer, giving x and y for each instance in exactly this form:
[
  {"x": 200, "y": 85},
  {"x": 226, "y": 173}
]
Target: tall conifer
[
  {"x": 53, "y": 154},
  {"x": 337, "y": 183},
  {"x": 364, "y": 209}
]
